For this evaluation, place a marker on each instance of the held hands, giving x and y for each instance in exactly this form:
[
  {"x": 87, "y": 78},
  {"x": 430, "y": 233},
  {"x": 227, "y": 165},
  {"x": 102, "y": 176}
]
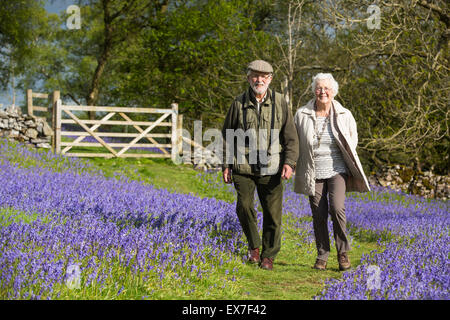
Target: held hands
[
  {"x": 286, "y": 173},
  {"x": 226, "y": 175}
]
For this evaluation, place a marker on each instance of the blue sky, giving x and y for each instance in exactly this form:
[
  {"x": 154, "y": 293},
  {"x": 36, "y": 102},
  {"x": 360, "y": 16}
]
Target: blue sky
[
  {"x": 57, "y": 6},
  {"x": 54, "y": 6}
]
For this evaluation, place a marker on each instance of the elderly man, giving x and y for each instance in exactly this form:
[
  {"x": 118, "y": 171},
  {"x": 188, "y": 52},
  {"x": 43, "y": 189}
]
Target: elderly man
[{"x": 261, "y": 146}]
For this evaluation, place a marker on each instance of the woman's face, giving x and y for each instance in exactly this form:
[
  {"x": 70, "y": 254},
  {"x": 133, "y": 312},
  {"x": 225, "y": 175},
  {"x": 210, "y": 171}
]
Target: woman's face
[{"x": 324, "y": 93}]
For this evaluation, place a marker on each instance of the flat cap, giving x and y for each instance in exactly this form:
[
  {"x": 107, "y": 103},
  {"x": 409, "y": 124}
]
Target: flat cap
[{"x": 260, "y": 66}]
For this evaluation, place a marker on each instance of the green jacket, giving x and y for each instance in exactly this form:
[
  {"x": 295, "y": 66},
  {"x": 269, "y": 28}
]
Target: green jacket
[{"x": 283, "y": 148}]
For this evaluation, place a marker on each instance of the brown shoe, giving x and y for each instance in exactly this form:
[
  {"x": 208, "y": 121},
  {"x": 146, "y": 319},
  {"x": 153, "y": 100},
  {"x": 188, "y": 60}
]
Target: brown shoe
[
  {"x": 267, "y": 264},
  {"x": 320, "y": 264},
  {"x": 344, "y": 261},
  {"x": 253, "y": 255}
]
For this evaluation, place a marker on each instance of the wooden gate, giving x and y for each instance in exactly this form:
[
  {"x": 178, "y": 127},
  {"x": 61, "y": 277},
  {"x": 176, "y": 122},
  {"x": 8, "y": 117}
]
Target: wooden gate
[
  {"x": 31, "y": 108},
  {"x": 71, "y": 115}
]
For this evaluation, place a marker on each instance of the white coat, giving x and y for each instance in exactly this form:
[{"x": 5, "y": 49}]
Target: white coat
[{"x": 344, "y": 131}]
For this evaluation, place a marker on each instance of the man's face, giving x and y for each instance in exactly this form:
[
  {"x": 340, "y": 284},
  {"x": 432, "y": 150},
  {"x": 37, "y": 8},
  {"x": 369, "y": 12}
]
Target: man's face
[{"x": 259, "y": 81}]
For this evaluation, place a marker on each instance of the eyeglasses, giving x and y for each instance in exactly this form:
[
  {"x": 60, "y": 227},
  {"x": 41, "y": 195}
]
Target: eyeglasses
[
  {"x": 259, "y": 75},
  {"x": 326, "y": 89}
]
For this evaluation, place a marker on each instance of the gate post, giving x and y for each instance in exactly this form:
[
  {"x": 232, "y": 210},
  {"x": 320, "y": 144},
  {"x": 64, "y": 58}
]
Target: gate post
[
  {"x": 55, "y": 98},
  {"x": 30, "y": 102},
  {"x": 57, "y": 131},
  {"x": 180, "y": 134},
  {"x": 174, "y": 131}
]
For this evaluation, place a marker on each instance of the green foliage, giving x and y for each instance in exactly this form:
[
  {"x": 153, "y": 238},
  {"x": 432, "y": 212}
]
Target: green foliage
[
  {"x": 196, "y": 56},
  {"x": 152, "y": 53},
  {"x": 19, "y": 20},
  {"x": 10, "y": 215}
]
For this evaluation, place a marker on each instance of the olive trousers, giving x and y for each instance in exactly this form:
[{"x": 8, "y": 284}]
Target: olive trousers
[
  {"x": 321, "y": 206},
  {"x": 270, "y": 193}
]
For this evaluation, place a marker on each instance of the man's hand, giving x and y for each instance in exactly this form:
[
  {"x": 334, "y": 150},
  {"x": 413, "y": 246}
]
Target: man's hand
[
  {"x": 287, "y": 172},
  {"x": 227, "y": 175}
]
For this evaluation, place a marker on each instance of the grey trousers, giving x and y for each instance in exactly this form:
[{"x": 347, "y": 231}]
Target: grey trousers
[{"x": 335, "y": 188}]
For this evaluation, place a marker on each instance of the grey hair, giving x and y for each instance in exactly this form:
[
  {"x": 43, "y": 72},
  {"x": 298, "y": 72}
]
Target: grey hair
[{"x": 325, "y": 76}]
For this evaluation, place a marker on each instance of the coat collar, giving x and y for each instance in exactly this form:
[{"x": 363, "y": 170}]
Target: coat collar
[
  {"x": 251, "y": 100},
  {"x": 309, "y": 107}
]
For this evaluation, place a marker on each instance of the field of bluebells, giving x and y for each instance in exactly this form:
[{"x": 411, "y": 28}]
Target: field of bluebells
[
  {"x": 67, "y": 232},
  {"x": 414, "y": 262},
  {"x": 59, "y": 215}
]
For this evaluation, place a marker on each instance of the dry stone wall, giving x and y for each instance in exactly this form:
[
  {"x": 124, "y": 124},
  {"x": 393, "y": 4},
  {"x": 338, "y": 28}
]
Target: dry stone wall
[
  {"x": 28, "y": 129},
  {"x": 406, "y": 179}
]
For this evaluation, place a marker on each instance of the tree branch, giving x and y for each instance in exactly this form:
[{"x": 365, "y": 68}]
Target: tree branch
[
  {"x": 71, "y": 96},
  {"x": 443, "y": 16}
]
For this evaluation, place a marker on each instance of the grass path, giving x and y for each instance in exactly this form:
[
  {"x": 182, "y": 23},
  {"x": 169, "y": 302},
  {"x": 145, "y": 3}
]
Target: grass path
[{"x": 292, "y": 277}]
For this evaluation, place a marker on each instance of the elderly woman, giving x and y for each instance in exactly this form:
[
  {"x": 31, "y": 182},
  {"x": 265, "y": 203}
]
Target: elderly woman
[{"x": 328, "y": 165}]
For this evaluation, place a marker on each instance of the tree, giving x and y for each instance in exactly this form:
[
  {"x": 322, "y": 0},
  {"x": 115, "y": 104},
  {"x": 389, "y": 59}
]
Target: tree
[
  {"x": 80, "y": 61},
  {"x": 393, "y": 76},
  {"x": 18, "y": 22},
  {"x": 304, "y": 44},
  {"x": 397, "y": 79},
  {"x": 197, "y": 57}
]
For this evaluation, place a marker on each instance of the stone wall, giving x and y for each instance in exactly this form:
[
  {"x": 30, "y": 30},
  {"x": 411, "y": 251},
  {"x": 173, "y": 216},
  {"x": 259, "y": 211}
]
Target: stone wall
[
  {"x": 406, "y": 179},
  {"x": 31, "y": 130}
]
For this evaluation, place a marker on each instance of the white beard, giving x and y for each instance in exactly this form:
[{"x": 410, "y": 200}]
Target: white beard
[{"x": 259, "y": 89}]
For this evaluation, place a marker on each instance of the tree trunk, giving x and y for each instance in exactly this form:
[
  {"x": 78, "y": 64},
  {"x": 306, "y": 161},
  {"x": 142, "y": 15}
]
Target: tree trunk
[{"x": 92, "y": 96}]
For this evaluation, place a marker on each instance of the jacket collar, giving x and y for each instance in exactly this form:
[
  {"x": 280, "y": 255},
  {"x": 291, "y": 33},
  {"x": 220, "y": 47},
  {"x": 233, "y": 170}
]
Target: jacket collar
[
  {"x": 338, "y": 108},
  {"x": 309, "y": 107},
  {"x": 251, "y": 100}
]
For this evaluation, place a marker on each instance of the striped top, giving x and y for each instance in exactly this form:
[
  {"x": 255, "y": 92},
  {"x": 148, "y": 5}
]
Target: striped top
[{"x": 328, "y": 160}]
